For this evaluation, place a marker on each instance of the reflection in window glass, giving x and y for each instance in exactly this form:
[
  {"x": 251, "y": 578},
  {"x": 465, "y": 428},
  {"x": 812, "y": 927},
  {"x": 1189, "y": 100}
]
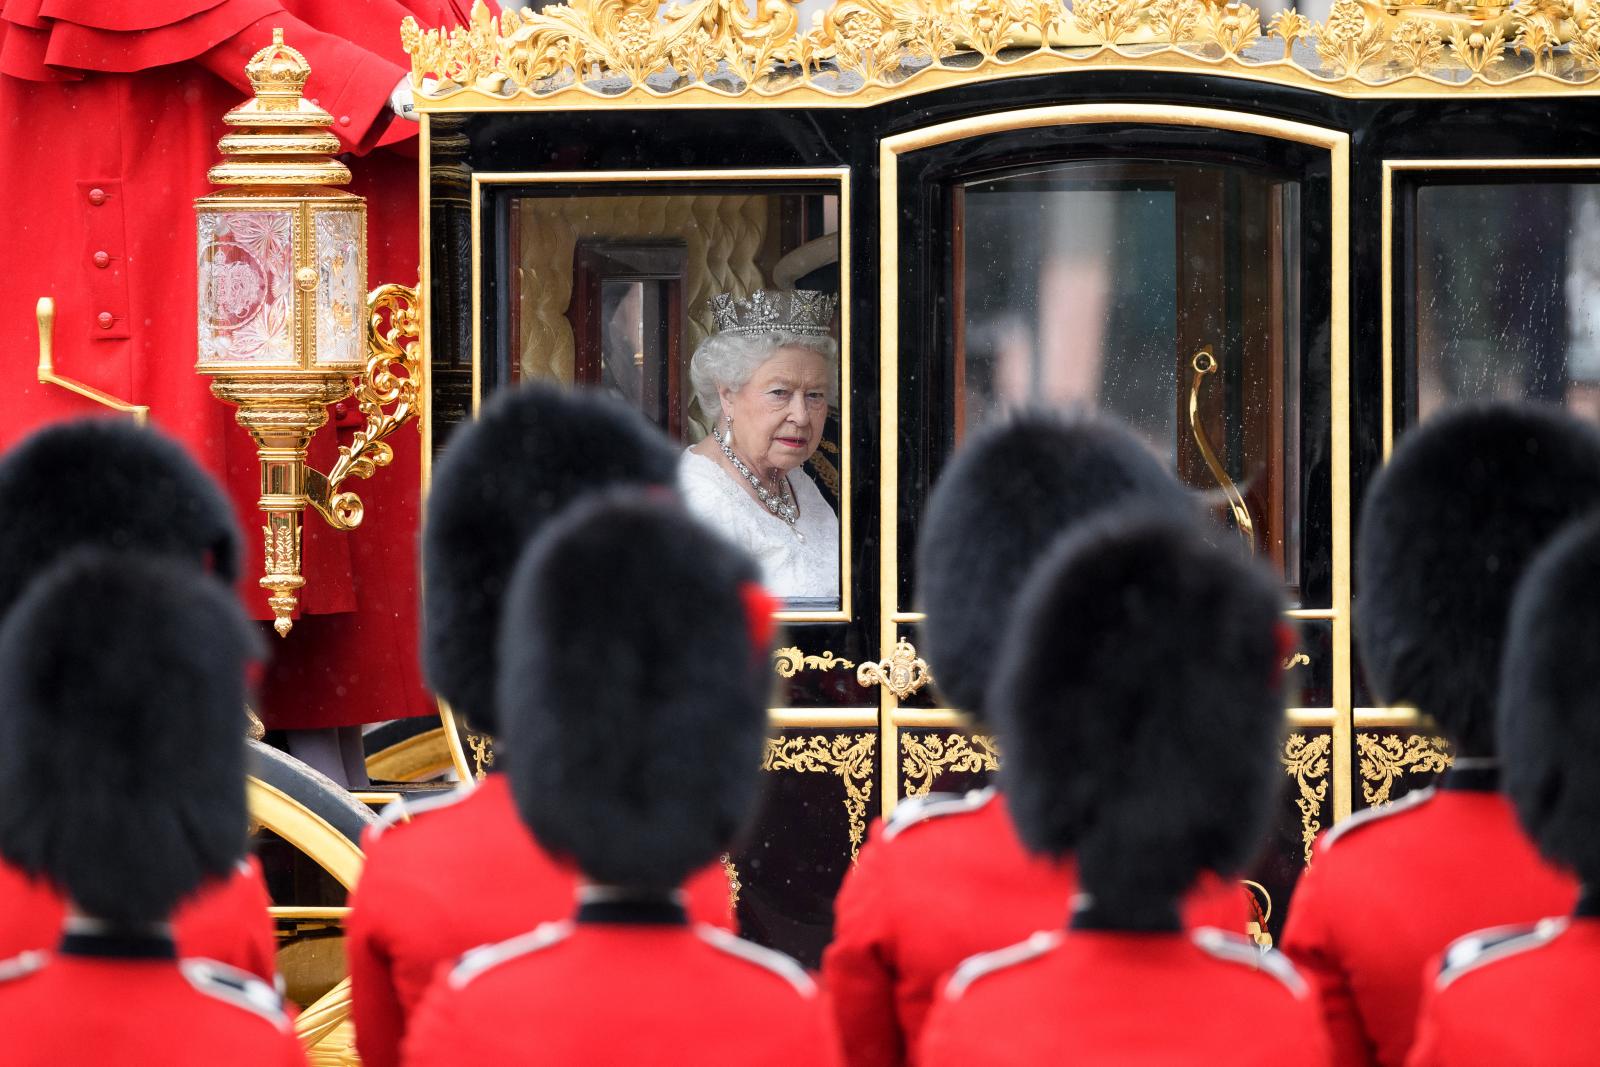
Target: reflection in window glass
[
  {"x": 1506, "y": 300},
  {"x": 1097, "y": 283}
]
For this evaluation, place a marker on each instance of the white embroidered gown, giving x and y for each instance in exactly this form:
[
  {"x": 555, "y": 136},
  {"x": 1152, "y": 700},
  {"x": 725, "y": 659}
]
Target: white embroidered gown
[{"x": 792, "y": 568}]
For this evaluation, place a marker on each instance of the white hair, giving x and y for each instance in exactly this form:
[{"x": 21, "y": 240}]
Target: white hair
[{"x": 727, "y": 360}]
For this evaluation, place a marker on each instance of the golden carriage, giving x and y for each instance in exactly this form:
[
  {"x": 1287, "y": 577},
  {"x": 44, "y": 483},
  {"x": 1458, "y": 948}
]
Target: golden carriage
[{"x": 1270, "y": 243}]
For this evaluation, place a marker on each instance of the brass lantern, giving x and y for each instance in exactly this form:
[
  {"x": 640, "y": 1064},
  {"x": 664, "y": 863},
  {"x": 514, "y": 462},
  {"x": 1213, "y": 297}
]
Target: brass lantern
[{"x": 286, "y": 327}]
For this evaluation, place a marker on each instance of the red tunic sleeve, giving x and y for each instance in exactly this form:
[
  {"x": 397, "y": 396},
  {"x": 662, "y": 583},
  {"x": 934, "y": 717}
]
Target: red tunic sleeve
[
  {"x": 1309, "y": 940},
  {"x": 858, "y": 968}
]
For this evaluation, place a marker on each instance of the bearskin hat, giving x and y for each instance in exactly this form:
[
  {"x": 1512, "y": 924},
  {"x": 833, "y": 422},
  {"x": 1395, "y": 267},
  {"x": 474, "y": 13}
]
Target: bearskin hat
[
  {"x": 1549, "y": 705},
  {"x": 634, "y": 689},
  {"x": 1139, "y": 692},
  {"x": 531, "y": 452},
  {"x": 108, "y": 484},
  {"x": 1003, "y": 500},
  {"x": 1448, "y": 528},
  {"x": 121, "y": 748}
]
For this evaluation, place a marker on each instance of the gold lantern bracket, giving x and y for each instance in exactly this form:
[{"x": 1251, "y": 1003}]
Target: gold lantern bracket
[{"x": 386, "y": 394}]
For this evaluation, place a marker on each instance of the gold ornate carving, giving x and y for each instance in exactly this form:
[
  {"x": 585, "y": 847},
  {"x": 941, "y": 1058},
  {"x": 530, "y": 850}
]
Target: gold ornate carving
[
  {"x": 1307, "y": 763},
  {"x": 1385, "y": 758},
  {"x": 482, "y": 746},
  {"x": 1205, "y": 364},
  {"x": 926, "y": 756},
  {"x": 1299, "y": 659},
  {"x": 734, "y": 885},
  {"x": 598, "y": 50},
  {"x": 848, "y": 756},
  {"x": 386, "y": 394},
  {"x": 903, "y": 673},
  {"x": 790, "y": 661}
]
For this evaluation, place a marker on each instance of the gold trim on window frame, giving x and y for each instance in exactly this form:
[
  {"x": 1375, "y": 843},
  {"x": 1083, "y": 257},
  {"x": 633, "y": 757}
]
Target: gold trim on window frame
[{"x": 1337, "y": 144}]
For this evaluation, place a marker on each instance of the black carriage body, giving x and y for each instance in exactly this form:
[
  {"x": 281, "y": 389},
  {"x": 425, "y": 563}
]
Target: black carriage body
[{"x": 842, "y": 752}]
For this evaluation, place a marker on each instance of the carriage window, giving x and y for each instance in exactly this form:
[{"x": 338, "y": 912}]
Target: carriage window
[
  {"x": 715, "y": 315},
  {"x": 1167, "y": 293},
  {"x": 1505, "y": 297}
]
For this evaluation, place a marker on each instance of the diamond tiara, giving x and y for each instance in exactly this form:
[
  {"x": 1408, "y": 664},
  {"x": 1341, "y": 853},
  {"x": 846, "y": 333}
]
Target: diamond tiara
[{"x": 801, "y": 311}]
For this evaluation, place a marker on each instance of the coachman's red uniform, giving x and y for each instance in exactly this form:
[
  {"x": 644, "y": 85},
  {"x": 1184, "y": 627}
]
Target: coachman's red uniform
[
  {"x": 128, "y": 1000},
  {"x": 1517, "y": 996},
  {"x": 945, "y": 879},
  {"x": 1119, "y": 999},
  {"x": 1390, "y": 888},
  {"x": 113, "y": 115},
  {"x": 226, "y": 922},
  {"x": 463, "y": 872},
  {"x": 626, "y": 982}
]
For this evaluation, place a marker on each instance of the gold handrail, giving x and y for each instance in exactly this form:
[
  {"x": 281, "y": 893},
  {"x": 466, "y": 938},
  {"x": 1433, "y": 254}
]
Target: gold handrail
[
  {"x": 1205, "y": 363},
  {"x": 45, "y": 312}
]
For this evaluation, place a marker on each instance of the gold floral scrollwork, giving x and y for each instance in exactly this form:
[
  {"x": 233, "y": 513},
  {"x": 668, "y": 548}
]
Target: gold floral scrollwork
[
  {"x": 849, "y": 756},
  {"x": 482, "y": 746},
  {"x": 1307, "y": 763},
  {"x": 789, "y": 661},
  {"x": 1299, "y": 659},
  {"x": 1416, "y": 44},
  {"x": 925, "y": 757},
  {"x": 734, "y": 885},
  {"x": 903, "y": 673},
  {"x": 387, "y": 394},
  {"x": 1386, "y": 758},
  {"x": 1350, "y": 38}
]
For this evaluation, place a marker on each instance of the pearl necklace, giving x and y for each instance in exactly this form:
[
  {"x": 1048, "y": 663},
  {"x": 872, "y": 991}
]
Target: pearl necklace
[{"x": 783, "y": 507}]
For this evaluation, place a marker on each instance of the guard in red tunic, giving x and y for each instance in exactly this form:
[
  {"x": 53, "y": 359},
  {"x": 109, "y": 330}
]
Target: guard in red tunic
[
  {"x": 1524, "y": 996},
  {"x": 947, "y": 876},
  {"x": 122, "y": 785},
  {"x": 1147, "y": 752},
  {"x": 634, "y": 735},
  {"x": 106, "y": 484},
  {"x": 465, "y": 859},
  {"x": 1448, "y": 527},
  {"x": 113, "y": 112}
]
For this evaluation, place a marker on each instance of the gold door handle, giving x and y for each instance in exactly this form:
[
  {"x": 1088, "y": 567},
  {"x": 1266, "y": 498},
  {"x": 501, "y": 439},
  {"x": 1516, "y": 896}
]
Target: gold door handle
[
  {"x": 1205, "y": 363},
  {"x": 45, "y": 312},
  {"x": 903, "y": 673}
]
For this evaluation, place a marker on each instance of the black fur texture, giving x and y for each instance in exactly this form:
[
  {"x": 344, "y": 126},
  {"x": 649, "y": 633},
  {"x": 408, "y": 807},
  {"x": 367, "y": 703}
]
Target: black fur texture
[
  {"x": 1003, "y": 500},
  {"x": 531, "y": 453},
  {"x": 1549, "y": 706},
  {"x": 121, "y": 732},
  {"x": 1448, "y": 528},
  {"x": 1139, "y": 695},
  {"x": 103, "y": 483},
  {"x": 633, "y": 698}
]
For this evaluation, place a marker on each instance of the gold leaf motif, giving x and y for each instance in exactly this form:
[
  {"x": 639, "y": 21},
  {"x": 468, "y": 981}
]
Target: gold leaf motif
[
  {"x": 1349, "y": 39},
  {"x": 848, "y": 756},
  {"x": 1307, "y": 763},
  {"x": 1585, "y": 44},
  {"x": 790, "y": 661},
  {"x": 1289, "y": 25},
  {"x": 1107, "y": 21},
  {"x": 1417, "y": 44},
  {"x": 482, "y": 746},
  {"x": 925, "y": 757},
  {"x": 1383, "y": 759},
  {"x": 1233, "y": 27},
  {"x": 1476, "y": 50},
  {"x": 1173, "y": 21},
  {"x": 903, "y": 673},
  {"x": 1538, "y": 32}
]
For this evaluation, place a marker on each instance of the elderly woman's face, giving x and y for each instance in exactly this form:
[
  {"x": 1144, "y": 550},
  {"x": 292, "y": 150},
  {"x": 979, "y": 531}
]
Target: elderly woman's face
[{"x": 778, "y": 415}]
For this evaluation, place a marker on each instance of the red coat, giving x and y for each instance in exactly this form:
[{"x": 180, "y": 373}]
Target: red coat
[
  {"x": 131, "y": 1002},
  {"x": 1514, "y": 997},
  {"x": 467, "y": 863},
  {"x": 227, "y": 922},
  {"x": 1126, "y": 1000},
  {"x": 623, "y": 989},
  {"x": 1388, "y": 889},
  {"x": 945, "y": 879},
  {"x": 113, "y": 112}
]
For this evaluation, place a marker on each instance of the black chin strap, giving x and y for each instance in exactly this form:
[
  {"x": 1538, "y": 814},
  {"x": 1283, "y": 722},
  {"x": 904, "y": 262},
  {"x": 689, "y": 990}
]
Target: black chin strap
[
  {"x": 1126, "y": 915},
  {"x": 1472, "y": 775},
  {"x": 608, "y": 904},
  {"x": 93, "y": 937}
]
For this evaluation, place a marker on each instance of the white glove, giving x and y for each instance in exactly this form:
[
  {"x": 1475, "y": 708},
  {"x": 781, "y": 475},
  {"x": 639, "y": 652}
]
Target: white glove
[{"x": 402, "y": 103}]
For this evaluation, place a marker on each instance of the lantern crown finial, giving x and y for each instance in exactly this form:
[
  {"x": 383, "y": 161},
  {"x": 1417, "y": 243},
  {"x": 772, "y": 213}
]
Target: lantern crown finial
[
  {"x": 278, "y": 74},
  {"x": 280, "y": 138}
]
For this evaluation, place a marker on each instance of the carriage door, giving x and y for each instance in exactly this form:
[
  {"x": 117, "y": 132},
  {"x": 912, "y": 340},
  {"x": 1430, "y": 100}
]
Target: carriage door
[{"x": 1184, "y": 269}]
